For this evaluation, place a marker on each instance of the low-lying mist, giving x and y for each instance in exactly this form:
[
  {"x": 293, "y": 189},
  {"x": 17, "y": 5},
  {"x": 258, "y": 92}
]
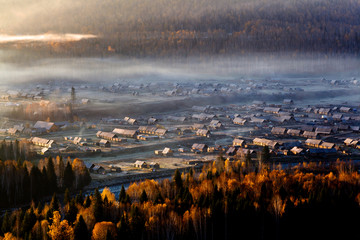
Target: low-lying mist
[{"x": 106, "y": 70}]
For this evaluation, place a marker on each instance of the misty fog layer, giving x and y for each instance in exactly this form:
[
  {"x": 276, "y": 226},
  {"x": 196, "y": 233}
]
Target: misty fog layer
[{"x": 189, "y": 69}]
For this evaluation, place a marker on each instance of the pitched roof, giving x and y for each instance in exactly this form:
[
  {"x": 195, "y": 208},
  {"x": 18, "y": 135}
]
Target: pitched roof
[
  {"x": 125, "y": 132},
  {"x": 310, "y": 141},
  {"x": 324, "y": 130},
  {"x": 267, "y": 142},
  {"x": 199, "y": 146},
  {"x": 45, "y": 125},
  {"x": 278, "y": 130},
  {"x": 238, "y": 141},
  {"x": 272, "y": 109},
  {"x": 308, "y": 134},
  {"x": 327, "y": 145},
  {"x": 238, "y": 120},
  {"x": 293, "y": 131}
]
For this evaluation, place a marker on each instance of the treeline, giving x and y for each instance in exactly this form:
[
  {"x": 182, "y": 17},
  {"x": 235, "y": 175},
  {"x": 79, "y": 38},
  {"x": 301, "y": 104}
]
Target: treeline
[
  {"x": 225, "y": 201},
  {"x": 39, "y": 111},
  {"x": 182, "y": 28},
  {"x": 22, "y": 183},
  {"x": 15, "y": 150}
]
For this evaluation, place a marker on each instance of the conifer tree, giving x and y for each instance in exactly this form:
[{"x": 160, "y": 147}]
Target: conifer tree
[
  {"x": 97, "y": 205},
  {"x": 51, "y": 175},
  {"x": 69, "y": 176},
  {"x": 80, "y": 230},
  {"x": 143, "y": 197},
  {"x": 66, "y": 196},
  {"x": 122, "y": 195},
  {"x": 54, "y": 204}
]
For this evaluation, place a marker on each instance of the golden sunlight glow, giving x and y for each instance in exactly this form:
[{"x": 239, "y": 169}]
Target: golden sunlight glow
[{"x": 45, "y": 38}]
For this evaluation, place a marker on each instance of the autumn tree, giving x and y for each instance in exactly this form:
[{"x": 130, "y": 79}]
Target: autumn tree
[
  {"x": 102, "y": 229},
  {"x": 60, "y": 230}
]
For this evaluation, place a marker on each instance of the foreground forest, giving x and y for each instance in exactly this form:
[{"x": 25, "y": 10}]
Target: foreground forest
[
  {"x": 23, "y": 181},
  {"x": 227, "y": 200}
]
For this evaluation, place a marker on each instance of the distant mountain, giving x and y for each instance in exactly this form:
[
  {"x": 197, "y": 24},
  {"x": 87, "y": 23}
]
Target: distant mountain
[{"x": 182, "y": 27}]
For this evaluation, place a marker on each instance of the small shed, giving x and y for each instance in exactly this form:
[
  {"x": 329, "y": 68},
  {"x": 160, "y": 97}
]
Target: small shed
[
  {"x": 104, "y": 143},
  {"x": 140, "y": 164},
  {"x": 154, "y": 165},
  {"x": 167, "y": 152},
  {"x": 238, "y": 142},
  {"x": 278, "y": 131}
]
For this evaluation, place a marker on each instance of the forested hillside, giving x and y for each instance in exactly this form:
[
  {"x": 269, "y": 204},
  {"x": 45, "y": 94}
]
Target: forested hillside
[
  {"x": 193, "y": 27},
  {"x": 227, "y": 200}
]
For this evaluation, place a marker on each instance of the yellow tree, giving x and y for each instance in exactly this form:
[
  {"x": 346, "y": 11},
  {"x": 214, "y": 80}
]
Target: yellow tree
[{"x": 60, "y": 230}]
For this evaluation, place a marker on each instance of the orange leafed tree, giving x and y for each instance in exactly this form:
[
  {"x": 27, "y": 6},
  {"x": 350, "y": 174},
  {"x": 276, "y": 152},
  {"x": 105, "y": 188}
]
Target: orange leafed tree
[
  {"x": 60, "y": 230},
  {"x": 101, "y": 230}
]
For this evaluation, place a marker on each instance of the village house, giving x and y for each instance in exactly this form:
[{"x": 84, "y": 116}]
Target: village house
[
  {"x": 197, "y": 126},
  {"x": 288, "y": 101},
  {"x": 351, "y": 142},
  {"x": 239, "y": 121},
  {"x": 203, "y": 133},
  {"x": 296, "y": 150},
  {"x": 258, "y": 120},
  {"x": 313, "y": 143},
  {"x": 215, "y": 124},
  {"x": 327, "y": 145},
  {"x": 46, "y": 126},
  {"x": 42, "y": 142},
  {"x": 343, "y": 127},
  {"x": 97, "y": 169},
  {"x": 324, "y": 130},
  {"x": 106, "y": 135},
  {"x": 244, "y": 151},
  {"x": 324, "y": 111},
  {"x": 265, "y": 142},
  {"x": 199, "y": 147},
  {"x": 308, "y": 128},
  {"x": 293, "y": 132},
  {"x": 307, "y": 134},
  {"x": 161, "y": 131},
  {"x": 131, "y": 121},
  {"x": 278, "y": 131},
  {"x": 238, "y": 142},
  {"x": 167, "y": 152},
  {"x": 154, "y": 165},
  {"x": 104, "y": 143},
  {"x": 345, "y": 109},
  {"x": 337, "y": 117},
  {"x": 126, "y": 132},
  {"x": 152, "y": 120},
  {"x": 147, "y": 129},
  {"x": 113, "y": 168},
  {"x": 273, "y": 110},
  {"x": 140, "y": 164},
  {"x": 282, "y": 119},
  {"x": 231, "y": 151},
  {"x": 146, "y": 137},
  {"x": 14, "y": 131}
]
